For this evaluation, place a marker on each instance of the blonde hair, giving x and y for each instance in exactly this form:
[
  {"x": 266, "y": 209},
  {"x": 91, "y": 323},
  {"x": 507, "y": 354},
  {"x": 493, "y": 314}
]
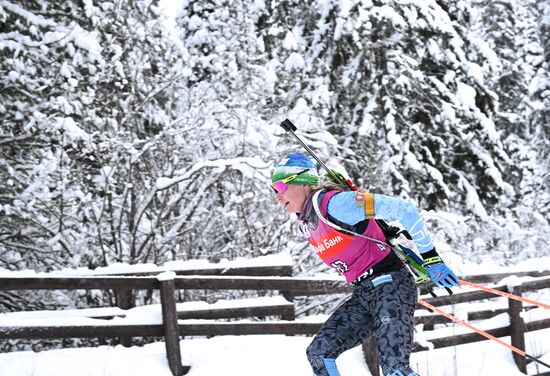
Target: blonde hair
[{"x": 327, "y": 185}]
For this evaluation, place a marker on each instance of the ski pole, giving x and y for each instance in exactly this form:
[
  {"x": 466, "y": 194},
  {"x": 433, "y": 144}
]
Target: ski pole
[
  {"x": 291, "y": 128},
  {"x": 502, "y": 293},
  {"x": 481, "y": 332}
]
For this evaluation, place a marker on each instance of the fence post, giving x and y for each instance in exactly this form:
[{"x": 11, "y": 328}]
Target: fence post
[
  {"x": 125, "y": 300},
  {"x": 170, "y": 322},
  {"x": 371, "y": 356},
  {"x": 517, "y": 329},
  {"x": 288, "y": 295}
]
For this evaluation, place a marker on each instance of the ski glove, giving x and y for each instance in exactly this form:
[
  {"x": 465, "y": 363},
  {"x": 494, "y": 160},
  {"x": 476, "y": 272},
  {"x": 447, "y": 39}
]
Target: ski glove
[{"x": 440, "y": 273}]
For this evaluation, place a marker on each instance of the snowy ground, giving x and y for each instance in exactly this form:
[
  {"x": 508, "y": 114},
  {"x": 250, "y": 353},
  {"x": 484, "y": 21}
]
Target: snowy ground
[{"x": 273, "y": 355}]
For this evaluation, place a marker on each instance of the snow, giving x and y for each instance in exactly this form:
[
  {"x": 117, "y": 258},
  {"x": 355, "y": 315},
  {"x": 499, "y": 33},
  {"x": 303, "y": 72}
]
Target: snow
[
  {"x": 266, "y": 355},
  {"x": 393, "y": 138},
  {"x": 282, "y": 258},
  {"x": 247, "y": 166},
  {"x": 475, "y": 71},
  {"x": 243, "y": 356},
  {"x": 413, "y": 162},
  {"x": 472, "y": 199},
  {"x": 29, "y": 16},
  {"x": 367, "y": 125},
  {"x": 166, "y": 276},
  {"x": 85, "y": 312},
  {"x": 88, "y": 41},
  {"x": 488, "y": 53},
  {"x": 385, "y": 11},
  {"x": 72, "y": 131},
  {"x": 289, "y": 42},
  {"x": 466, "y": 95},
  {"x": 294, "y": 62},
  {"x": 144, "y": 315}
]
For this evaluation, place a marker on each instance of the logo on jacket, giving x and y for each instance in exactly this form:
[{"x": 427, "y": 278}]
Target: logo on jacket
[
  {"x": 328, "y": 243},
  {"x": 340, "y": 266}
]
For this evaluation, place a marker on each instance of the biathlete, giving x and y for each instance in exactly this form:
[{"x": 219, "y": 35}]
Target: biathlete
[{"x": 384, "y": 296}]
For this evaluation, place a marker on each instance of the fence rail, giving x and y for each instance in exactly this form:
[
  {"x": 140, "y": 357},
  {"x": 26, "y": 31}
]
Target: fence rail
[
  {"x": 226, "y": 328},
  {"x": 298, "y": 286}
]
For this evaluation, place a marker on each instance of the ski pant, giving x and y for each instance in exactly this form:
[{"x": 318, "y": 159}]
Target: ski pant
[{"x": 381, "y": 306}]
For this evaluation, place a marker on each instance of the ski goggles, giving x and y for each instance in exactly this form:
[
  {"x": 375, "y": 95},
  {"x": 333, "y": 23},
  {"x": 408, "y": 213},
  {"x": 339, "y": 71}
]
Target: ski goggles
[{"x": 281, "y": 185}]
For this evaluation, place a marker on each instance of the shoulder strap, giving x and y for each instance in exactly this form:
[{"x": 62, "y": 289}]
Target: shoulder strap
[
  {"x": 369, "y": 204},
  {"x": 315, "y": 202},
  {"x": 391, "y": 232}
]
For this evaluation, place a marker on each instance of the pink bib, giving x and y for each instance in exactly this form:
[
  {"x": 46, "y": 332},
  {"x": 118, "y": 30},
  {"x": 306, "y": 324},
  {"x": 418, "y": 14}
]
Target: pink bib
[{"x": 351, "y": 255}]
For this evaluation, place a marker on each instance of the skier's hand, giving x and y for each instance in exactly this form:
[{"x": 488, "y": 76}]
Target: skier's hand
[{"x": 440, "y": 273}]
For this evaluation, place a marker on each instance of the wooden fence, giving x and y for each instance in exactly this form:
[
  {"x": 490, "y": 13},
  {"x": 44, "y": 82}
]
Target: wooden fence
[{"x": 253, "y": 279}]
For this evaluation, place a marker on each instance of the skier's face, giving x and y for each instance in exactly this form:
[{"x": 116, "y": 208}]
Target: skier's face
[{"x": 292, "y": 199}]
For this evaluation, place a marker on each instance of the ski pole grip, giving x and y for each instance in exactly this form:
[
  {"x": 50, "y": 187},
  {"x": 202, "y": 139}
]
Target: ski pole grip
[{"x": 288, "y": 126}]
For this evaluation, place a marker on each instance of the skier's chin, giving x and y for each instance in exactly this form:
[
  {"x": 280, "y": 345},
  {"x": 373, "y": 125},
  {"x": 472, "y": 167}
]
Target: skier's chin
[{"x": 289, "y": 209}]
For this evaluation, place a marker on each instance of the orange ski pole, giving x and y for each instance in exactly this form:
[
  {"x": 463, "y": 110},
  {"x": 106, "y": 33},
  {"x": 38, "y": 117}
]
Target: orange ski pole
[
  {"x": 479, "y": 331},
  {"x": 502, "y": 293}
]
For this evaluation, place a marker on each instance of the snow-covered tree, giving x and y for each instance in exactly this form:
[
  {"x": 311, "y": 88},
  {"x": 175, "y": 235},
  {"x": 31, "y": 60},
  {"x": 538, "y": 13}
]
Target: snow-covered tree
[
  {"x": 393, "y": 82},
  {"x": 135, "y": 144},
  {"x": 86, "y": 88},
  {"x": 129, "y": 137},
  {"x": 509, "y": 46},
  {"x": 419, "y": 101}
]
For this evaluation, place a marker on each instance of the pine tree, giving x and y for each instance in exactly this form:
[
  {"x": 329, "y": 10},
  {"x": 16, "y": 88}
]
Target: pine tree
[
  {"x": 225, "y": 92},
  {"x": 87, "y": 88},
  {"x": 509, "y": 48}
]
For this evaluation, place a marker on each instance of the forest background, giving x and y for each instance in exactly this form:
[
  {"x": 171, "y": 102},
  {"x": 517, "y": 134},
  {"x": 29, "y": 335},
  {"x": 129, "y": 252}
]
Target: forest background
[{"x": 145, "y": 132}]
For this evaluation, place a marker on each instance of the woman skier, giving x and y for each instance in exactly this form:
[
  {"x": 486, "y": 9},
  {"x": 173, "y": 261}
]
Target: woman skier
[{"x": 384, "y": 295}]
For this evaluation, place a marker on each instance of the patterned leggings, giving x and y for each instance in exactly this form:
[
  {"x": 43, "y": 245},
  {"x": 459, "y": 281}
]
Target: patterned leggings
[{"x": 383, "y": 307}]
